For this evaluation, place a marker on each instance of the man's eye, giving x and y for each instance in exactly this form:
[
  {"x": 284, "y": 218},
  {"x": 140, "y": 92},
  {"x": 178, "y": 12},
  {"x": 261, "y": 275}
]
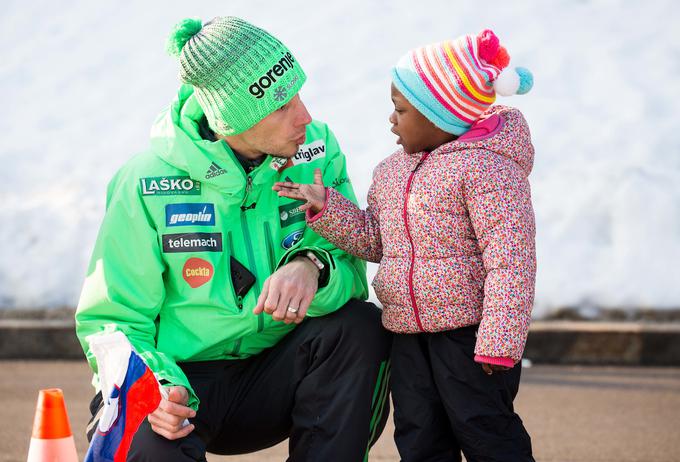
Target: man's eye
[{"x": 283, "y": 108}]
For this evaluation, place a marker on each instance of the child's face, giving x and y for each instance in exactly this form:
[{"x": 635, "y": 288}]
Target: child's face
[{"x": 415, "y": 132}]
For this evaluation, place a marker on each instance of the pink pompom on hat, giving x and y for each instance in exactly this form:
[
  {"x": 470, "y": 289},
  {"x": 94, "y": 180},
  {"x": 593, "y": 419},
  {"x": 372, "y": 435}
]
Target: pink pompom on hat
[{"x": 453, "y": 82}]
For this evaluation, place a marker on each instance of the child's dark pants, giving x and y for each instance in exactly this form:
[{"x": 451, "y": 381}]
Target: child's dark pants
[{"x": 445, "y": 403}]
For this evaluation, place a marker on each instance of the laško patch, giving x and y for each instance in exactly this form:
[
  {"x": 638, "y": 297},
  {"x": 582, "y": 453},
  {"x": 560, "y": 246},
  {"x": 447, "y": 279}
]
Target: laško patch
[
  {"x": 197, "y": 272},
  {"x": 170, "y": 185}
]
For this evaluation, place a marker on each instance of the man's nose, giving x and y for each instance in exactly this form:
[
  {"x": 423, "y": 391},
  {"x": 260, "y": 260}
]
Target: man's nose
[{"x": 303, "y": 116}]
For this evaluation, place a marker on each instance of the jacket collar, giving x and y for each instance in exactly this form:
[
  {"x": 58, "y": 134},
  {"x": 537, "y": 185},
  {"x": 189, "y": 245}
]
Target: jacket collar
[{"x": 176, "y": 138}]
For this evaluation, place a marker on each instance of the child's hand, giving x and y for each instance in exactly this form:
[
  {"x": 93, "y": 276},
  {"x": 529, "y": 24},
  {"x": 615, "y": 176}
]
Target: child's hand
[
  {"x": 314, "y": 194},
  {"x": 491, "y": 368}
]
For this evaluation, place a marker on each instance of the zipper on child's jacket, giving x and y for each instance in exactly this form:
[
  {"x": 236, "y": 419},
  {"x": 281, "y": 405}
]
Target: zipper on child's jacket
[{"x": 408, "y": 234}]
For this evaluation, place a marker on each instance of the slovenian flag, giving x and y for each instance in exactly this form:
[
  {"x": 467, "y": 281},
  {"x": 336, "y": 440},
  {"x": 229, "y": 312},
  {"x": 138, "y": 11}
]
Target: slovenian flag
[{"x": 133, "y": 393}]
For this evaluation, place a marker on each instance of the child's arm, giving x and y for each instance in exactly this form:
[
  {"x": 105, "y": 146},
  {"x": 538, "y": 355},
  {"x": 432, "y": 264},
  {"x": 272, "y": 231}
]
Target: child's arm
[
  {"x": 498, "y": 199},
  {"x": 337, "y": 219}
]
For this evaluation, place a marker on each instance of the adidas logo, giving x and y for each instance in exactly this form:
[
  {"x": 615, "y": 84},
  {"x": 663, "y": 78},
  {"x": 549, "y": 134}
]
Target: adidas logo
[{"x": 214, "y": 170}]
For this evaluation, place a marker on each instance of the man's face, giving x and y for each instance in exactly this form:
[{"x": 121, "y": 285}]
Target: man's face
[
  {"x": 415, "y": 132},
  {"x": 280, "y": 133}
]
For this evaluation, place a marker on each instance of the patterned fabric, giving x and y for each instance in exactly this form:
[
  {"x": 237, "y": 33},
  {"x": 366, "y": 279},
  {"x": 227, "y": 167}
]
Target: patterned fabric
[
  {"x": 453, "y": 82},
  {"x": 458, "y": 249}
]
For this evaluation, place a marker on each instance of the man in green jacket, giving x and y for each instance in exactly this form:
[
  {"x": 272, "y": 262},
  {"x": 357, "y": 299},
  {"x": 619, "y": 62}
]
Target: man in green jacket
[{"x": 254, "y": 323}]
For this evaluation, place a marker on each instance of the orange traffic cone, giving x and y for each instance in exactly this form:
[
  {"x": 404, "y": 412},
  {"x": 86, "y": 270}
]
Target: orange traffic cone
[{"x": 52, "y": 439}]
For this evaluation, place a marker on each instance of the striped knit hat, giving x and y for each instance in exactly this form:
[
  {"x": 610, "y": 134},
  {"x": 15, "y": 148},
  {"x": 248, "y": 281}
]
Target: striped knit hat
[
  {"x": 452, "y": 83},
  {"x": 240, "y": 73}
]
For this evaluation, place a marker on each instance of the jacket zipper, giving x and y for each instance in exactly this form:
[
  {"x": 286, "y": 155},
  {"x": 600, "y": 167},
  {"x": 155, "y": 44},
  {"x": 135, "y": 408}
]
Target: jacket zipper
[
  {"x": 239, "y": 299},
  {"x": 237, "y": 348},
  {"x": 413, "y": 249},
  {"x": 270, "y": 247},
  {"x": 249, "y": 244}
]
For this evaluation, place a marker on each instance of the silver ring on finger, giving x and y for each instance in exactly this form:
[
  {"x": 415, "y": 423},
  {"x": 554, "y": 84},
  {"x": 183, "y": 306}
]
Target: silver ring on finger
[{"x": 292, "y": 309}]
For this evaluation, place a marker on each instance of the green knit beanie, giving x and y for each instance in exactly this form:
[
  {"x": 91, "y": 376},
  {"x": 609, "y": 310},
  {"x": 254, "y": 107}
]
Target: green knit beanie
[{"x": 240, "y": 73}]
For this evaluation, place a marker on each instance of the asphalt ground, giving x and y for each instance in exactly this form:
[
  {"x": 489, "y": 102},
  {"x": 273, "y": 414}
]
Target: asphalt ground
[{"x": 573, "y": 413}]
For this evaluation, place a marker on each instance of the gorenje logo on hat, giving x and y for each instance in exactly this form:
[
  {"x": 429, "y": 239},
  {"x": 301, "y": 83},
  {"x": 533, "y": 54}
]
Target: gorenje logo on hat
[{"x": 260, "y": 86}]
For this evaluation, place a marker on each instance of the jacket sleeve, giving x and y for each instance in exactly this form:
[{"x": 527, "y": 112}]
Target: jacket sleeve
[
  {"x": 124, "y": 288},
  {"x": 498, "y": 198},
  {"x": 347, "y": 274},
  {"x": 354, "y": 230}
]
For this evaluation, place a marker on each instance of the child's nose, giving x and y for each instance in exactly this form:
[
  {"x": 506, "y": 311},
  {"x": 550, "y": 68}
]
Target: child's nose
[{"x": 393, "y": 119}]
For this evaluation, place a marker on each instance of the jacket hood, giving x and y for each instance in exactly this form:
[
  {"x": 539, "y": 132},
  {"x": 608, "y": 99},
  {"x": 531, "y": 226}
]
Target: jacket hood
[
  {"x": 500, "y": 129},
  {"x": 175, "y": 138}
]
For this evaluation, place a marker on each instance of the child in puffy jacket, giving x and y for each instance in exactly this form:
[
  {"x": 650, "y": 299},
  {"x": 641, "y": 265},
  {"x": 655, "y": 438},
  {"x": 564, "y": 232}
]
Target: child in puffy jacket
[{"x": 450, "y": 221}]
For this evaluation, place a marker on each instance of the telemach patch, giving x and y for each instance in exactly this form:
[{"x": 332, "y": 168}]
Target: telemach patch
[{"x": 192, "y": 242}]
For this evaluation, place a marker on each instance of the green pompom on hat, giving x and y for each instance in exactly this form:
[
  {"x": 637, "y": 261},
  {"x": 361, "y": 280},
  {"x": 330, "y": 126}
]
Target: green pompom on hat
[
  {"x": 240, "y": 73},
  {"x": 180, "y": 35}
]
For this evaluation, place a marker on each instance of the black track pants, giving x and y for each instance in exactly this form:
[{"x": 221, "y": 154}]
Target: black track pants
[{"x": 324, "y": 386}]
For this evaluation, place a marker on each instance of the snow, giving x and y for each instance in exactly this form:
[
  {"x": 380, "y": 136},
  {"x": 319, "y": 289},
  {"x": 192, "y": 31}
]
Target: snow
[{"x": 83, "y": 82}]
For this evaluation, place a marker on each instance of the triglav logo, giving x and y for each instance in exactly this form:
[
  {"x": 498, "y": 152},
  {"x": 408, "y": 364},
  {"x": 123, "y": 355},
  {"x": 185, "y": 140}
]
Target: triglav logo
[
  {"x": 190, "y": 214},
  {"x": 170, "y": 185},
  {"x": 259, "y": 87},
  {"x": 310, "y": 152},
  {"x": 214, "y": 170}
]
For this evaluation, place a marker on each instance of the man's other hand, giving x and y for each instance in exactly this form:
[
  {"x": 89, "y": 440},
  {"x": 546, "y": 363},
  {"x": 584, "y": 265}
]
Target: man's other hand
[{"x": 168, "y": 419}]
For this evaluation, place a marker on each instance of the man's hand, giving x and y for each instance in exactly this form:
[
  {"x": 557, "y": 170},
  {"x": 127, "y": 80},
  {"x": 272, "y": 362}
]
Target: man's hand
[
  {"x": 288, "y": 292},
  {"x": 314, "y": 194},
  {"x": 168, "y": 418},
  {"x": 491, "y": 368}
]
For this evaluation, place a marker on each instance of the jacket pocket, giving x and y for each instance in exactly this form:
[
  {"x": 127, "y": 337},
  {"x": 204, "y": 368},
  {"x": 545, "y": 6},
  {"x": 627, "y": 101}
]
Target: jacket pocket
[{"x": 391, "y": 282}]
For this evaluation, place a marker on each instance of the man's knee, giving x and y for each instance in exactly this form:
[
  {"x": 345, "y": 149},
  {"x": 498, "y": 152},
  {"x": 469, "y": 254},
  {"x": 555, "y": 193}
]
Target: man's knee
[
  {"x": 360, "y": 314},
  {"x": 357, "y": 327}
]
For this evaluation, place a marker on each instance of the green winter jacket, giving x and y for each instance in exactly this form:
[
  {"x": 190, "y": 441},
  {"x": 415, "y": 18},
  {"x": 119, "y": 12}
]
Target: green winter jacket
[{"x": 160, "y": 270}]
